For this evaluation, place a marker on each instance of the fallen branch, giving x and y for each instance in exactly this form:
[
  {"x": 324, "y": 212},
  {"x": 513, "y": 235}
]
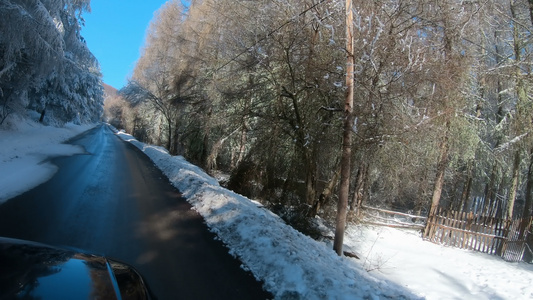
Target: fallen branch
[
  {"x": 350, "y": 254},
  {"x": 394, "y": 212},
  {"x": 413, "y": 226}
]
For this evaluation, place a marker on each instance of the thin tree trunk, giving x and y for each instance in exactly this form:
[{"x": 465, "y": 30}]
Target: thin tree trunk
[
  {"x": 439, "y": 180},
  {"x": 444, "y": 147},
  {"x": 344, "y": 187},
  {"x": 169, "y": 141},
  {"x": 514, "y": 186},
  {"x": 490, "y": 188},
  {"x": 529, "y": 186},
  {"x": 526, "y": 214},
  {"x": 522, "y": 99},
  {"x": 441, "y": 170}
]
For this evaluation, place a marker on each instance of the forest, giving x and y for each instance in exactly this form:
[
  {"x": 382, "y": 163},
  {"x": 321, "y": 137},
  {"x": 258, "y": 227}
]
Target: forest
[
  {"x": 441, "y": 117},
  {"x": 46, "y": 68}
]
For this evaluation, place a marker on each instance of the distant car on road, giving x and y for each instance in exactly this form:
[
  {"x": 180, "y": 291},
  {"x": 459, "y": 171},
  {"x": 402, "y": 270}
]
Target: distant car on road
[{"x": 31, "y": 270}]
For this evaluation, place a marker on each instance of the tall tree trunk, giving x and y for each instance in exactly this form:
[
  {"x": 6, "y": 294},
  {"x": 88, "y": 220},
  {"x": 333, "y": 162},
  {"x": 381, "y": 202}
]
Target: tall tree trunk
[
  {"x": 514, "y": 186},
  {"x": 521, "y": 93},
  {"x": 344, "y": 187},
  {"x": 444, "y": 147},
  {"x": 490, "y": 187},
  {"x": 169, "y": 141},
  {"x": 529, "y": 187},
  {"x": 439, "y": 178},
  {"x": 441, "y": 170}
]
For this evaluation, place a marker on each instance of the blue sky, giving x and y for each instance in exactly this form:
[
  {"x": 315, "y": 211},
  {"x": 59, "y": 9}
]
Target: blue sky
[{"x": 114, "y": 31}]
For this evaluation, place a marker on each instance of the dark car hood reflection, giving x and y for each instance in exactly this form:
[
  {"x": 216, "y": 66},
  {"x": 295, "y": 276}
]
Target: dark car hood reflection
[{"x": 35, "y": 271}]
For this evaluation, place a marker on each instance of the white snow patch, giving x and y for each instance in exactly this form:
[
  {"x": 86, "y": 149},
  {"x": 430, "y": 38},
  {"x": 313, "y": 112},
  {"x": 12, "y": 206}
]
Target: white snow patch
[
  {"x": 26, "y": 146},
  {"x": 438, "y": 272}
]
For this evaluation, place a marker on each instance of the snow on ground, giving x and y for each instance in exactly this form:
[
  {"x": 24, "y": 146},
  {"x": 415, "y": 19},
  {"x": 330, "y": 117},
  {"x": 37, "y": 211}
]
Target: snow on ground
[
  {"x": 24, "y": 151},
  {"x": 394, "y": 263},
  {"x": 438, "y": 272}
]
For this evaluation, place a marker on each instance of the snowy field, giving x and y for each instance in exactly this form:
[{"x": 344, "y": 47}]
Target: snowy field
[
  {"x": 437, "y": 272},
  {"x": 394, "y": 264}
]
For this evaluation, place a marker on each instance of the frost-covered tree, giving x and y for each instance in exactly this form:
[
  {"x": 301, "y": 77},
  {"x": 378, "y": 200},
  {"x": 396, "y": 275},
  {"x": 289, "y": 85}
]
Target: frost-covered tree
[
  {"x": 160, "y": 82},
  {"x": 45, "y": 64}
]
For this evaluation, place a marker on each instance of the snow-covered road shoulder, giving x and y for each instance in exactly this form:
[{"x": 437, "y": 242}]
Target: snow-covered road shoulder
[
  {"x": 24, "y": 151},
  {"x": 291, "y": 265}
]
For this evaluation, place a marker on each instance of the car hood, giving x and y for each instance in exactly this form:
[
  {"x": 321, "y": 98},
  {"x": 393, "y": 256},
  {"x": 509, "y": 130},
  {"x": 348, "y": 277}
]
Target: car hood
[{"x": 36, "y": 271}]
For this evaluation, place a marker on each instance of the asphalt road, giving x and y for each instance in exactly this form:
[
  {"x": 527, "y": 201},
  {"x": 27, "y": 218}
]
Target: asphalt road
[{"x": 114, "y": 201}]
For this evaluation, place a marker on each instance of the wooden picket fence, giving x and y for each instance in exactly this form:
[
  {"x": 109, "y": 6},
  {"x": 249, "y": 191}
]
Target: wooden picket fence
[{"x": 509, "y": 239}]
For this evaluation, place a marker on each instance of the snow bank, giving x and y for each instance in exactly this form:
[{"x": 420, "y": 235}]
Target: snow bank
[
  {"x": 25, "y": 150},
  {"x": 291, "y": 265}
]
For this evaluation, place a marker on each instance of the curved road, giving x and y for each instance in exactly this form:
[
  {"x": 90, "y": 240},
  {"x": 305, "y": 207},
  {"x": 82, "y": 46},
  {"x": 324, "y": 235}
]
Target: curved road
[{"x": 114, "y": 201}]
